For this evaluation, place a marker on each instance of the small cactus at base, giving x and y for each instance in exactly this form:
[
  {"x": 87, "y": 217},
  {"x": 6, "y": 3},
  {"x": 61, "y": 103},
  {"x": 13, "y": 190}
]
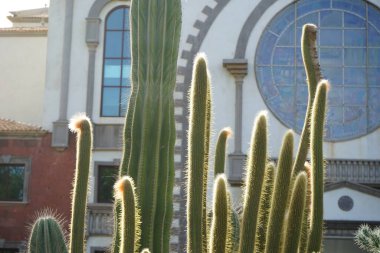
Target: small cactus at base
[
  {"x": 368, "y": 239},
  {"x": 47, "y": 236},
  {"x": 130, "y": 219}
]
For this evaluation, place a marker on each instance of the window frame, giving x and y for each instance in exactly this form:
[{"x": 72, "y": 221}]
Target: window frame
[
  {"x": 121, "y": 58},
  {"x": 17, "y": 160}
]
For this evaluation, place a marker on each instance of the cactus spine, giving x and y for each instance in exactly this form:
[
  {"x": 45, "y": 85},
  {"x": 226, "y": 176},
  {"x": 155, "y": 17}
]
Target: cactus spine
[
  {"x": 47, "y": 236},
  {"x": 130, "y": 219},
  {"x": 255, "y": 174},
  {"x": 83, "y": 127}
]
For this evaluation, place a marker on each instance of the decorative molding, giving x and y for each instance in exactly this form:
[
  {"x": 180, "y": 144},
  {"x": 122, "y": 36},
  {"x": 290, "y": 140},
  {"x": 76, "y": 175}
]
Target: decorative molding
[
  {"x": 353, "y": 186},
  {"x": 347, "y": 173},
  {"x": 238, "y": 68},
  {"x": 60, "y": 137},
  {"x": 100, "y": 220},
  {"x": 356, "y": 171},
  {"x": 250, "y": 23}
]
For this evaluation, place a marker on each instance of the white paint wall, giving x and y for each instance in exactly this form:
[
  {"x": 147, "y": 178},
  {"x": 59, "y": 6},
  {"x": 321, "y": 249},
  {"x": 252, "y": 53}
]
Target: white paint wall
[
  {"x": 365, "y": 206},
  {"x": 22, "y": 78}
]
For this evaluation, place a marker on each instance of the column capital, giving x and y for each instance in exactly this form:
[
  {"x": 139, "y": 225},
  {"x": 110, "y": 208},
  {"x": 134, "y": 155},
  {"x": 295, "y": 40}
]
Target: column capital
[{"x": 237, "y": 67}]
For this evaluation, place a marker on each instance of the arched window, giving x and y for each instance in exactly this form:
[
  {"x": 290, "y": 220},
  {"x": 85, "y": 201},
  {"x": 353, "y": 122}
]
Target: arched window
[
  {"x": 116, "y": 83},
  {"x": 349, "y": 52}
]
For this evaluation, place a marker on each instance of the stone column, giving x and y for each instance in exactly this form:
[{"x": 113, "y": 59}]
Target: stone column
[{"x": 238, "y": 69}]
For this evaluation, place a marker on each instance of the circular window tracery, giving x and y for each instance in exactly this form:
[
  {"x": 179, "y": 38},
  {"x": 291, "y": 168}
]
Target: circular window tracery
[{"x": 349, "y": 53}]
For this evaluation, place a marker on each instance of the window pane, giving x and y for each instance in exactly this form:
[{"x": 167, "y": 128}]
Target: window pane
[
  {"x": 110, "y": 103},
  {"x": 107, "y": 176},
  {"x": 12, "y": 182},
  {"x": 334, "y": 75},
  {"x": 331, "y": 37},
  {"x": 355, "y": 37},
  {"x": 331, "y": 18},
  {"x": 113, "y": 44},
  {"x": 112, "y": 72},
  {"x": 331, "y": 56},
  {"x": 283, "y": 56},
  {"x": 284, "y": 75},
  {"x": 355, "y": 76},
  {"x": 373, "y": 37},
  {"x": 351, "y": 20},
  {"x": 374, "y": 56},
  {"x": 115, "y": 19},
  {"x": 355, "y": 57},
  {"x": 373, "y": 16},
  {"x": 374, "y": 77}
]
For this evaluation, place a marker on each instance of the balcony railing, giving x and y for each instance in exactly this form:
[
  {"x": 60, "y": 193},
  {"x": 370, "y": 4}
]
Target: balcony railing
[{"x": 100, "y": 220}]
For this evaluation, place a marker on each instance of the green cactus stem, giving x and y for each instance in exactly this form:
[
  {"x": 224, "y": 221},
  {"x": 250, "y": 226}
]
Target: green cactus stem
[
  {"x": 82, "y": 126},
  {"x": 130, "y": 218},
  {"x": 293, "y": 224},
  {"x": 306, "y": 216},
  {"x": 264, "y": 209},
  {"x": 220, "y": 152},
  {"x": 197, "y": 155},
  {"x": 255, "y": 176},
  {"x": 47, "y": 236},
  {"x": 318, "y": 166},
  {"x": 313, "y": 76},
  {"x": 221, "y": 220},
  {"x": 149, "y": 132},
  {"x": 280, "y": 195}
]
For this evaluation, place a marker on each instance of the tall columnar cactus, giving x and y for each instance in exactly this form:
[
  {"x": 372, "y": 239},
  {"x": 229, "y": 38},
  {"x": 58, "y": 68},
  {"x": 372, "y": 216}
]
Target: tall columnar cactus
[
  {"x": 47, "y": 236},
  {"x": 313, "y": 76},
  {"x": 221, "y": 229},
  {"x": 264, "y": 210},
  {"x": 197, "y": 156},
  {"x": 317, "y": 163},
  {"x": 82, "y": 126},
  {"x": 149, "y": 130},
  {"x": 280, "y": 195},
  {"x": 304, "y": 241},
  {"x": 130, "y": 217},
  {"x": 255, "y": 174},
  {"x": 294, "y": 220}
]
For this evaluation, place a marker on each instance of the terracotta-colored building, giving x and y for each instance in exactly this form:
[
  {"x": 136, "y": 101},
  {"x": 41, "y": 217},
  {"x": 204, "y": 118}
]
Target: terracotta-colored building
[{"x": 33, "y": 176}]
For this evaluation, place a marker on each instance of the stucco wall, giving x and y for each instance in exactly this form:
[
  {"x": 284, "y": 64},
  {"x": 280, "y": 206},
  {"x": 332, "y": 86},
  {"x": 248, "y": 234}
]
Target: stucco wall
[{"x": 22, "y": 77}]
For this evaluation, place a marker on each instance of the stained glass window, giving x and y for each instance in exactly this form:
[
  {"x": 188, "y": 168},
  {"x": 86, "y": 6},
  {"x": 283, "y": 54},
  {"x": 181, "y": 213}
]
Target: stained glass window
[{"x": 349, "y": 51}]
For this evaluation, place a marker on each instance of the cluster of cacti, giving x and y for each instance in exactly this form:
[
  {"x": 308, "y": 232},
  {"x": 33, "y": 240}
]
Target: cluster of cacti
[
  {"x": 368, "y": 239},
  {"x": 277, "y": 211},
  {"x": 282, "y": 207}
]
